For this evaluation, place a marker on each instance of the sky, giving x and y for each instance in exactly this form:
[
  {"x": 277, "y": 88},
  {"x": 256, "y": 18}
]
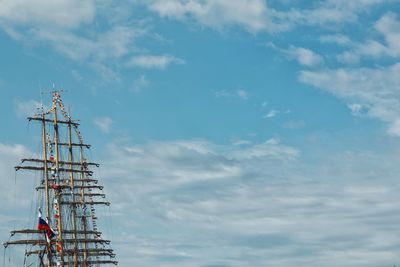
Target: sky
[{"x": 229, "y": 132}]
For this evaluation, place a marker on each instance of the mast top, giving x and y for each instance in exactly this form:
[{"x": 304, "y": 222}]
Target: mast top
[{"x": 56, "y": 103}]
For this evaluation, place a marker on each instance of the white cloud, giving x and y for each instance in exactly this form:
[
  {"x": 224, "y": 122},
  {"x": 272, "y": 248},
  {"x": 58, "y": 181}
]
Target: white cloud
[
  {"x": 62, "y": 13},
  {"x": 339, "y": 39},
  {"x": 377, "y": 89},
  {"x": 154, "y": 61},
  {"x": 140, "y": 83},
  {"x": 256, "y": 16},
  {"x": 348, "y": 57},
  {"x": 319, "y": 16},
  {"x": 199, "y": 159},
  {"x": 304, "y": 56},
  {"x": 250, "y": 14},
  {"x": 240, "y": 93},
  {"x": 257, "y": 200},
  {"x": 243, "y": 94},
  {"x": 330, "y": 13},
  {"x": 388, "y": 26},
  {"x": 357, "y": 109},
  {"x": 27, "y": 108},
  {"x": 294, "y": 124},
  {"x": 60, "y": 25},
  {"x": 100, "y": 51},
  {"x": 271, "y": 149},
  {"x": 10, "y": 156},
  {"x": 111, "y": 44},
  {"x": 271, "y": 114},
  {"x": 104, "y": 124}
]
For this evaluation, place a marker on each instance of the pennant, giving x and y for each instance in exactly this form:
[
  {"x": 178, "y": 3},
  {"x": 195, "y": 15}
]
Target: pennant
[
  {"x": 58, "y": 246},
  {"x": 56, "y": 209}
]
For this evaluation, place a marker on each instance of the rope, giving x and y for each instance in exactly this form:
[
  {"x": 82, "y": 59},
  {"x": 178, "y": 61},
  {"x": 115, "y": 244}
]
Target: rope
[
  {"x": 4, "y": 256},
  {"x": 15, "y": 193}
]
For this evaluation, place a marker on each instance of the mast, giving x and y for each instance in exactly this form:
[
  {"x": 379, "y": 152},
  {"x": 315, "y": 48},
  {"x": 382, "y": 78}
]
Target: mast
[
  {"x": 84, "y": 222},
  {"x": 46, "y": 184},
  {"x": 71, "y": 159},
  {"x": 45, "y": 172},
  {"x": 59, "y": 243}
]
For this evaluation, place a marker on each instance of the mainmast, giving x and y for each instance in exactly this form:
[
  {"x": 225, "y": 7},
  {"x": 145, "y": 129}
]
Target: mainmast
[
  {"x": 46, "y": 185},
  {"x": 45, "y": 172},
  {"x": 71, "y": 159},
  {"x": 70, "y": 196}
]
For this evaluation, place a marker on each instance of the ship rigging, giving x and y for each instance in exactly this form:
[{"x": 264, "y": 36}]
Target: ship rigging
[{"x": 67, "y": 232}]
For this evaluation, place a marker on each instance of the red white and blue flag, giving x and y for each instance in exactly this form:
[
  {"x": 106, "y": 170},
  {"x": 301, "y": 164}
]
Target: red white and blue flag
[{"x": 44, "y": 226}]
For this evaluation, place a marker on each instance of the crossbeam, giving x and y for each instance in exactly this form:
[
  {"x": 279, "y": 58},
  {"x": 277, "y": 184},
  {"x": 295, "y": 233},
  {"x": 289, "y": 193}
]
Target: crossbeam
[
  {"x": 71, "y": 251},
  {"x": 41, "y": 242},
  {"x": 61, "y": 162},
  {"x": 34, "y": 231},
  {"x": 88, "y": 203},
  {"x": 76, "y": 186},
  {"x": 52, "y": 121},
  {"x": 35, "y": 168},
  {"x": 85, "y": 194}
]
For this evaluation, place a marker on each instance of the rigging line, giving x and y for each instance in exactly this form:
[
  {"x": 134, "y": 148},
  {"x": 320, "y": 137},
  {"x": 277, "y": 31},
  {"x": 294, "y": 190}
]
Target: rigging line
[
  {"x": 32, "y": 202},
  {"x": 15, "y": 193},
  {"x": 111, "y": 222},
  {"x": 28, "y": 127},
  {"x": 9, "y": 258},
  {"x": 25, "y": 257},
  {"x": 41, "y": 92},
  {"x": 4, "y": 256}
]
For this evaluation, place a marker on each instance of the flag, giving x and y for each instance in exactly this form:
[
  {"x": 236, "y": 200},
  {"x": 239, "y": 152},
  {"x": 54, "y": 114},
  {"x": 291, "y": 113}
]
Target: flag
[{"x": 44, "y": 226}]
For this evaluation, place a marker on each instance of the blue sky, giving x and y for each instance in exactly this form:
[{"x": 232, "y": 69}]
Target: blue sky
[{"x": 230, "y": 133}]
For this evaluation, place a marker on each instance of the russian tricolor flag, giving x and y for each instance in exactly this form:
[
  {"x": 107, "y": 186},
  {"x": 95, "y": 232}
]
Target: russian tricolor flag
[{"x": 44, "y": 226}]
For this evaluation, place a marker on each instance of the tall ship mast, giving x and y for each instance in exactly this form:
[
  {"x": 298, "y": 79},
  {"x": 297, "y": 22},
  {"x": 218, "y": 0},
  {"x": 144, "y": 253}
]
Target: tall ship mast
[{"x": 66, "y": 233}]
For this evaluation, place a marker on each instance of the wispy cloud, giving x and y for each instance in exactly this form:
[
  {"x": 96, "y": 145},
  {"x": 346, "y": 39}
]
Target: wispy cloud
[
  {"x": 69, "y": 30},
  {"x": 140, "y": 83},
  {"x": 63, "y": 13},
  {"x": 271, "y": 114},
  {"x": 10, "y": 155},
  {"x": 240, "y": 93},
  {"x": 243, "y": 94},
  {"x": 304, "y": 56},
  {"x": 386, "y": 46},
  {"x": 258, "y": 198},
  {"x": 250, "y": 14},
  {"x": 256, "y": 16},
  {"x": 27, "y": 108},
  {"x": 154, "y": 61},
  {"x": 374, "y": 89},
  {"x": 357, "y": 109},
  {"x": 100, "y": 51},
  {"x": 389, "y": 26},
  {"x": 339, "y": 39},
  {"x": 294, "y": 124},
  {"x": 104, "y": 124}
]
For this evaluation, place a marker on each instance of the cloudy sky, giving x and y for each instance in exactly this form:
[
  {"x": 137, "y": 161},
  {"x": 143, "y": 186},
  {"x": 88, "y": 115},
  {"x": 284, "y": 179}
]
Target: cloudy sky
[{"x": 230, "y": 133}]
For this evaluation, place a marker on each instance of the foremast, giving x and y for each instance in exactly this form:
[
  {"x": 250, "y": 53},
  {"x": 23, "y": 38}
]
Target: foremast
[{"x": 69, "y": 199}]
